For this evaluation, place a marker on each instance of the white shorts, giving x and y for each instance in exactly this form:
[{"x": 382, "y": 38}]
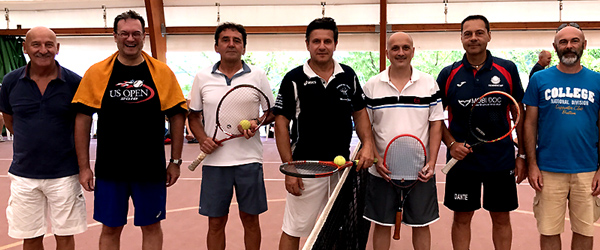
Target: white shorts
[
  {"x": 301, "y": 212},
  {"x": 31, "y": 199}
]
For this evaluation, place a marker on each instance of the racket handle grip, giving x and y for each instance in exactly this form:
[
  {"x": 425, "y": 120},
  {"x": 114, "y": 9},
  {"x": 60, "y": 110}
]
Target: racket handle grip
[
  {"x": 449, "y": 165},
  {"x": 197, "y": 161},
  {"x": 398, "y": 224}
]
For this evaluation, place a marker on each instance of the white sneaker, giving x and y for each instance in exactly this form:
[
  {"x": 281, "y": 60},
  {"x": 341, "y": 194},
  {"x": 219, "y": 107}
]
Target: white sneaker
[{"x": 2, "y": 138}]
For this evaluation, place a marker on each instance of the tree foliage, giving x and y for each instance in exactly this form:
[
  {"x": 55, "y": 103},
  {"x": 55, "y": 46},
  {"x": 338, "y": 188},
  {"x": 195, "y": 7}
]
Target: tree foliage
[{"x": 365, "y": 63}]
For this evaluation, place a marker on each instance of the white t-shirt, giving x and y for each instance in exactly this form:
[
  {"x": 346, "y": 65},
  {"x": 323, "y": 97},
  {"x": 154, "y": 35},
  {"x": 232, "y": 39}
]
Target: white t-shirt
[
  {"x": 209, "y": 86},
  {"x": 408, "y": 111}
]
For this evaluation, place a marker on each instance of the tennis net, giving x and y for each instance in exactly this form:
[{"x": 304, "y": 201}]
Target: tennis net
[{"x": 342, "y": 226}]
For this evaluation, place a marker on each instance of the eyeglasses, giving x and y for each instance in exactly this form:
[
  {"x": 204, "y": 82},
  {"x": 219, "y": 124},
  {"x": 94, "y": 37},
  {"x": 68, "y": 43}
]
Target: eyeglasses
[
  {"x": 135, "y": 35},
  {"x": 562, "y": 26}
]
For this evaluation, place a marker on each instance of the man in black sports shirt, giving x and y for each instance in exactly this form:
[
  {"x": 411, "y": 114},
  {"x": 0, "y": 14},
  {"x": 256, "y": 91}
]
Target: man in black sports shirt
[
  {"x": 131, "y": 92},
  {"x": 321, "y": 99}
]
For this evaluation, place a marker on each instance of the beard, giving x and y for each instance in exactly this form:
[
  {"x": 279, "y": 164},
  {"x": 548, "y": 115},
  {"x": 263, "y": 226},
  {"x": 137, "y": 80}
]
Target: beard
[{"x": 569, "y": 56}]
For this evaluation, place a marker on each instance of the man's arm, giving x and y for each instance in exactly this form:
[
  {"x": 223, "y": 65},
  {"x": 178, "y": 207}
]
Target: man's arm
[
  {"x": 596, "y": 179},
  {"x": 363, "y": 130},
  {"x": 435, "y": 140},
  {"x": 530, "y": 127},
  {"x": 176, "y": 123},
  {"x": 8, "y": 122},
  {"x": 458, "y": 150},
  {"x": 520, "y": 164},
  {"x": 207, "y": 145},
  {"x": 293, "y": 185},
  {"x": 83, "y": 125}
]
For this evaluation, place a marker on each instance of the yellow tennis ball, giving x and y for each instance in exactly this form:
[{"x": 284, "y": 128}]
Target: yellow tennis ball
[
  {"x": 245, "y": 124},
  {"x": 339, "y": 160}
]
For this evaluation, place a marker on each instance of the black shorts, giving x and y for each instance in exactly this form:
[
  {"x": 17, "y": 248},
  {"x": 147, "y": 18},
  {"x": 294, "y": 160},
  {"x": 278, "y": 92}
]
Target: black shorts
[
  {"x": 463, "y": 190},
  {"x": 420, "y": 208}
]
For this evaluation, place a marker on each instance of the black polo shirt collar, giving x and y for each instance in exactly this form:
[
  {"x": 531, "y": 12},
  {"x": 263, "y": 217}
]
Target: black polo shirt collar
[{"x": 310, "y": 73}]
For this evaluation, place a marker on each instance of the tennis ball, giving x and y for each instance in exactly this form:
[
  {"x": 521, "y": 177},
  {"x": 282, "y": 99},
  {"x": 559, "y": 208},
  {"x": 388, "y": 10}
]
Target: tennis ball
[
  {"x": 339, "y": 160},
  {"x": 245, "y": 124}
]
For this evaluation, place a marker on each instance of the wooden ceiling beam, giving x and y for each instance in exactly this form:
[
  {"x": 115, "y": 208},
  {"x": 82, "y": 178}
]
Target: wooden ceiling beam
[
  {"x": 301, "y": 29},
  {"x": 156, "y": 21}
]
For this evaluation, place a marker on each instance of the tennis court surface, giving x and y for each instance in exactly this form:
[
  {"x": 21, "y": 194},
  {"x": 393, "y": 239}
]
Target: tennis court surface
[{"x": 184, "y": 228}]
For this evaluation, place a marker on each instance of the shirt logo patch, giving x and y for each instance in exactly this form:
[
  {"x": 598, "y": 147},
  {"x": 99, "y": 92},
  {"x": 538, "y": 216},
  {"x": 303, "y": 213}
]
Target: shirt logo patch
[
  {"x": 461, "y": 84},
  {"x": 465, "y": 103},
  {"x": 495, "y": 82},
  {"x": 343, "y": 88},
  {"x": 310, "y": 82},
  {"x": 133, "y": 91}
]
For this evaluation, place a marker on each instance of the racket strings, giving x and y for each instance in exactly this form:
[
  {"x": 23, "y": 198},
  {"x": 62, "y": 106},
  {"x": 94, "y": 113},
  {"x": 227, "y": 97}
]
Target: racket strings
[
  {"x": 242, "y": 103},
  {"x": 489, "y": 120},
  {"x": 308, "y": 168},
  {"x": 405, "y": 157}
]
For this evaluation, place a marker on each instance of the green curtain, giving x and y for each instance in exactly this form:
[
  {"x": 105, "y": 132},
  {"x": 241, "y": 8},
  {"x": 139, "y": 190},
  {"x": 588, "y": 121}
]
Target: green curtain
[{"x": 11, "y": 54}]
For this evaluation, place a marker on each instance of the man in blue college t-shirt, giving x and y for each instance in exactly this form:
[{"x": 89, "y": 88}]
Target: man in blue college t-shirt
[{"x": 562, "y": 120}]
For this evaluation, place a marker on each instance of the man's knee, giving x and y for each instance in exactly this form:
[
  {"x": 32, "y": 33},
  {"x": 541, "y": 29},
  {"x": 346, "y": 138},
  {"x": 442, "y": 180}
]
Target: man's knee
[
  {"x": 152, "y": 228},
  {"x": 463, "y": 218},
  {"x": 249, "y": 220},
  {"x": 500, "y": 218},
  {"x": 112, "y": 231},
  {"x": 217, "y": 223}
]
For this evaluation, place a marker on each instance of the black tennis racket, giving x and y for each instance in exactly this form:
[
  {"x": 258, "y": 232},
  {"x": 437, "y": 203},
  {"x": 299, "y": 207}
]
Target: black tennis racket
[
  {"x": 489, "y": 120},
  {"x": 405, "y": 156},
  {"x": 242, "y": 102},
  {"x": 312, "y": 169}
]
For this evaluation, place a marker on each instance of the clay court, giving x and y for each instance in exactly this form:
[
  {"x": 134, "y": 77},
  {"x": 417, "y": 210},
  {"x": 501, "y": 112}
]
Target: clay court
[{"x": 184, "y": 228}]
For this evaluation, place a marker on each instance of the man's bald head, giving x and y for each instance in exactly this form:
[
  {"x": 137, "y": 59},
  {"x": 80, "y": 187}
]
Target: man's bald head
[
  {"x": 40, "y": 31},
  {"x": 41, "y": 46},
  {"x": 569, "y": 43},
  {"x": 399, "y": 36},
  {"x": 400, "y": 50},
  {"x": 544, "y": 58}
]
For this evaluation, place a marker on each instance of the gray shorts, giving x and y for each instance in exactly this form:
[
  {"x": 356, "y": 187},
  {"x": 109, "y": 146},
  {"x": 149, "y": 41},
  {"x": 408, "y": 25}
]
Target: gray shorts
[
  {"x": 420, "y": 207},
  {"x": 217, "y": 189}
]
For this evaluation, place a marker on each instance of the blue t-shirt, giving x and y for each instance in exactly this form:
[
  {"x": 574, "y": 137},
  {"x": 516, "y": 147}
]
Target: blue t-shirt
[
  {"x": 567, "y": 119},
  {"x": 43, "y": 125}
]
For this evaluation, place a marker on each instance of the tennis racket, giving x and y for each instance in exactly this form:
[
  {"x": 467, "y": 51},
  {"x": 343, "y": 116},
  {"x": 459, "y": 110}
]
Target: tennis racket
[
  {"x": 242, "y": 102},
  {"x": 405, "y": 156},
  {"x": 489, "y": 120},
  {"x": 312, "y": 169}
]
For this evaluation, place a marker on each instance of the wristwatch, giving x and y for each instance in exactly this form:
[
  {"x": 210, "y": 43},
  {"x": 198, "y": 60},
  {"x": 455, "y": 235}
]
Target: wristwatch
[
  {"x": 522, "y": 156},
  {"x": 176, "y": 161}
]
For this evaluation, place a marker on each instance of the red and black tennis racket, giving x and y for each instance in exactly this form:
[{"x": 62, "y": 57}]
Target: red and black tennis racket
[
  {"x": 312, "y": 169},
  {"x": 405, "y": 156},
  {"x": 242, "y": 102},
  {"x": 489, "y": 120}
]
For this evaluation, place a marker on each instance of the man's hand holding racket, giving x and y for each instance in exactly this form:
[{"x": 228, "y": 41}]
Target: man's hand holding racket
[
  {"x": 426, "y": 173},
  {"x": 365, "y": 156},
  {"x": 460, "y": 150}
]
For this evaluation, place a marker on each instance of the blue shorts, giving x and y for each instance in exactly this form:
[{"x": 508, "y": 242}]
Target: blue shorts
[
  {"x": 111, "y": 202},
  {"x": 217, "y": 187}
]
